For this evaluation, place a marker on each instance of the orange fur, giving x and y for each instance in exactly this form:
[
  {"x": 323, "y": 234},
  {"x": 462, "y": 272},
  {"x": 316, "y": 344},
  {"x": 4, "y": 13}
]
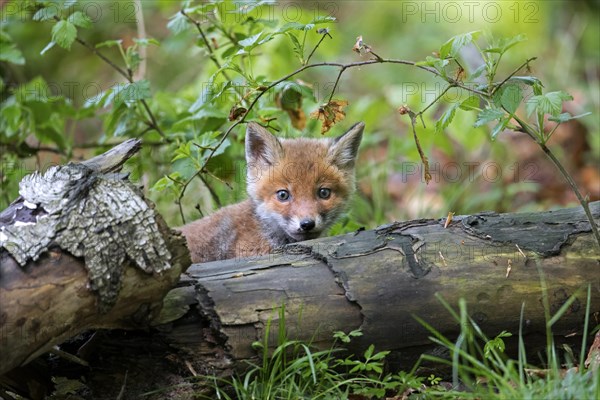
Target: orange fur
[{"x": 317, "y": 176}]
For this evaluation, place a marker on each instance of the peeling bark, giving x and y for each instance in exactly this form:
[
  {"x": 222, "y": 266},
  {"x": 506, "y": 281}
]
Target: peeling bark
[{"x": 68, "y": 248}]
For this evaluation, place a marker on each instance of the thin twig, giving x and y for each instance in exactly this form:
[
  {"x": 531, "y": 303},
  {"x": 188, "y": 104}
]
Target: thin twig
[
  {"x": 217, "y": 178},
  {"x": 153, "y": 119},
  {"x": 583, "y": 201},
  {"x": 420, "y": 113},
  {"x": 127, "y": 75},
  {"x": 424, "y": 160},
  {"x": 102, "y": 57},
  {"x": 211, "y": 52},
  {"x": 317, "y": 46},
  {"x": 513, "y": 73},
  {"x": 337, "y": 80},
  {"x": 217, "y": 24},
  {"x": 212, "y": 192}
]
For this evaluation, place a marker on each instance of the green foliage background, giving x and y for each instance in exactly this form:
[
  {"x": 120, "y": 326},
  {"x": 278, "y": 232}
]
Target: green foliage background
[{"x": 67, "y": 103}]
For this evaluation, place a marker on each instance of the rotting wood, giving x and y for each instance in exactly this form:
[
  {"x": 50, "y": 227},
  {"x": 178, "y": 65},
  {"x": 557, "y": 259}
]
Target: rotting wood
[{"x": 81, "y": 249}]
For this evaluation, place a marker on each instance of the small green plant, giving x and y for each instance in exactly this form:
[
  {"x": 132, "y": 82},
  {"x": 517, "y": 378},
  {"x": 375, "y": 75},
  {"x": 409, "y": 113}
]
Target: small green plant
[
  {"x": 496, "y": 344},
  {"x": 434, "y": 380},
  {"x": 294, "y": 370},
  {"x": 488, "y": 373}
]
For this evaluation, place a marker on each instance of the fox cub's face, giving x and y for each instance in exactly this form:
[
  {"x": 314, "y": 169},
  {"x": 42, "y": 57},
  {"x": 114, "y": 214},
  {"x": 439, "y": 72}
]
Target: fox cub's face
[{"x": 300, "y": 186}]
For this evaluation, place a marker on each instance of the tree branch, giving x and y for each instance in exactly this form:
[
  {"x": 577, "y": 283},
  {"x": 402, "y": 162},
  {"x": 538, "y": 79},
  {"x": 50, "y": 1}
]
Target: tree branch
[
  {"x": 127, "y": 75},
  {"x": 211, "y": 52}
]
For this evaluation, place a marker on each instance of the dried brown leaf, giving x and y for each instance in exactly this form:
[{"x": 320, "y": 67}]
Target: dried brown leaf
[
  {"x": 290, "y": 100},
  {"x": 361, "y": 47},
  {"x": 330, "y": 114},
  {"x": 358, "y": 45},
  {"x": 236, "y": 112}
]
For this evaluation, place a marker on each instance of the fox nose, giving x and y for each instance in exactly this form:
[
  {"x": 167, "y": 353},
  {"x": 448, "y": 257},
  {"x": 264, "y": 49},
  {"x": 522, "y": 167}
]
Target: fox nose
[{"x": 307, "y": 224}]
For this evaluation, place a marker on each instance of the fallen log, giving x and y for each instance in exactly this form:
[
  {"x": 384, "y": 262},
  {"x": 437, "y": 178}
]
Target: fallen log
[{"x": 378, "y": 280}]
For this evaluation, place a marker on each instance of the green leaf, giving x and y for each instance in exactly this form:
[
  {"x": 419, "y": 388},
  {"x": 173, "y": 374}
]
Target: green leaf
[
  {"x": 245, "y": 6},
  {"x": 178, "y": 23},
  {"x": 64, "y": 34},
  {"x": 297, "y": 26},
  {"x": 446, "y": 118},
  {"x": 488, "y": 115},
  {"x": 503, "y": 44},
  {"x": 528, "y": 80},
  {"x": 470, "y": 103},
  {"x": 499, "y": 127},
  {"x": 369, "y": 351},
  {"x": 146, "y": 41},
  {"x": 511, "y": 97},
  {"x": 380, "y": 356},
  {"x": 52, "y": 131},
  {"x": 161, "y": 184},
  {"x": 301, "y": 88},
  {"x": 166, "y": 182},
  {"x": 45, "y": 14},
  {"x": 123, "y": 120},
  {"x": 290, "y": 26},
  {"x": 10, "y": 53},
  {"x": 564, "y": 117},
  {"x": 298, "y": 49},
  {"x": 210, "y": 92},
  {"x": 323, "y": 19},
  {"x": 477, "y": 73},
  {"x": 454, "y": 44},
  {"x": 133, "y": 58},
  {"x": 10, "y": 118},
  {"x": 36, "y": 90},
  {"x": 532, "y": 81},
  {"x": 436, "y": 63},
  {"x": 183, "y": 151},
  {"x": 129, "y": 92},
  {"x": 109, "y": 43},
  {"x": 549, "y": 103},
  {"x": 80, "y": 19},
  {"x": 250, "y": 41}
]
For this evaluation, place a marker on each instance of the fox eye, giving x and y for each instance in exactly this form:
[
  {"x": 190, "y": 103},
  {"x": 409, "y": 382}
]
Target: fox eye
[
  {"x": 283, "y": 195},
  {"x": 324, "y": 193}
]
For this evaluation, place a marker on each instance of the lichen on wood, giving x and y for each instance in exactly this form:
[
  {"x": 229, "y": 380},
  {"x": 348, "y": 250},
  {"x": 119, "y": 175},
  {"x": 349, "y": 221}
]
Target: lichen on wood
[{"x": 100, "y": 217}]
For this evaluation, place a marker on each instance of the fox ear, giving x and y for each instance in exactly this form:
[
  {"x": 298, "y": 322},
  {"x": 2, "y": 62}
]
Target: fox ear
[
  {"x": 344, "y": 149},
  {"x": 261, "y": 145}
]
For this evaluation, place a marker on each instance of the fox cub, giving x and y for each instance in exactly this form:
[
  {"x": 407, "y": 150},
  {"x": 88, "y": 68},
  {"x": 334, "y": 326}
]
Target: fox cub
[{"x": 297, "y": 188}]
